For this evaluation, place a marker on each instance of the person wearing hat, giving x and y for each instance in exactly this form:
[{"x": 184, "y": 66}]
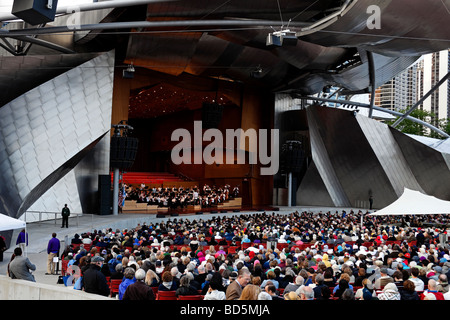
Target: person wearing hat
[{"x": 94, "y": 280}]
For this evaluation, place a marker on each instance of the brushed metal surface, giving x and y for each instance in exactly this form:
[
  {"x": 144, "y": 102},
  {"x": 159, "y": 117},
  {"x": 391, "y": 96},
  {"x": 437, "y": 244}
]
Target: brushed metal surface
[
  {"x": 43, "y": 137},
  {"x": 389, "y": 155},
  {"x": 428, "y": 165},
  {"x": 355, "y": 156},
  {"x": 322, "y": 160},
  {"x": 406, "y": 28}
]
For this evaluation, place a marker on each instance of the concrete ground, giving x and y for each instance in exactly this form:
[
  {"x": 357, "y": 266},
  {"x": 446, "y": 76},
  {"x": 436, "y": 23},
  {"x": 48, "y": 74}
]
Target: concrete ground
[{"x": 40, "y": 233}]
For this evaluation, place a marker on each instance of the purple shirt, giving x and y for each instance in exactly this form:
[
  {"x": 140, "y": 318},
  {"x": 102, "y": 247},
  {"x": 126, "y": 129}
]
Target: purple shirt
[
  {"x": 53, "y": 246},
  {"x": 21, "y": 238}
]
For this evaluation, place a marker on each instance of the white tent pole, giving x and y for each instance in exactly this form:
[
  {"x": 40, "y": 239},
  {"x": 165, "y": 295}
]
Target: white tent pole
[
  {"x": 362, "y": 217},
  {"x": 26, "y": 234}
]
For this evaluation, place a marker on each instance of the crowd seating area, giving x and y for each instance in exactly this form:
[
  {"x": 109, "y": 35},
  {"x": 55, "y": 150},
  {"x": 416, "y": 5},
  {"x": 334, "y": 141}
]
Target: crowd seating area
[{"x": 298, "y": 256}]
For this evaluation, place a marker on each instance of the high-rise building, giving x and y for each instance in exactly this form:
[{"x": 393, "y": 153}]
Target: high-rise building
[
  {"x": 405, "y": 89},
  {"x": 435, "y": 67},
  {"x": 400, "y": 92}
]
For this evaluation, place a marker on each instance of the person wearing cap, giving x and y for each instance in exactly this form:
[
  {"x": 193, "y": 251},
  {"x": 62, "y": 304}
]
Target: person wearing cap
[{"x": 94, "y": 280}]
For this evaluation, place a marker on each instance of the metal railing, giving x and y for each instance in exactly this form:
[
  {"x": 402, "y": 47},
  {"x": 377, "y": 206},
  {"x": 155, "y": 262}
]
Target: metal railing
[
  {"x": 51, "y": 216},
  {"x": 362, "y": 204}
]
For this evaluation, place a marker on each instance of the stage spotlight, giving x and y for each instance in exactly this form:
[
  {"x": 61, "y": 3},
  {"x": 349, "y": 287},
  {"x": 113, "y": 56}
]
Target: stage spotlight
[{"x": 280, "y": 38}]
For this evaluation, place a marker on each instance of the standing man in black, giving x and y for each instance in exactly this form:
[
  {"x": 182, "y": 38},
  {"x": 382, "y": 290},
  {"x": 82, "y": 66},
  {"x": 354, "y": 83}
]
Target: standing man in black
[{"x": 65, "y": 216}]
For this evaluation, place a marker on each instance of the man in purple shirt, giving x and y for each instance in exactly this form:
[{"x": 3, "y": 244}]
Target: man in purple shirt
[
  {"x": 52, "y": 251},
  {"x": 22, "y": 241}
]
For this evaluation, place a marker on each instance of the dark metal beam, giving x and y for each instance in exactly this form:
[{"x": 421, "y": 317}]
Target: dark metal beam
[
  {"x": 148, "y": 24},
  {"x": 372, "y": 81},
  {"x": 44, "y": 43},
  {"x": 365, "y": 105}
]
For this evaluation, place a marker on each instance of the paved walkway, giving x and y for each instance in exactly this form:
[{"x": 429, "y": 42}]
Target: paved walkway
[{"x": 40, "y": 233}]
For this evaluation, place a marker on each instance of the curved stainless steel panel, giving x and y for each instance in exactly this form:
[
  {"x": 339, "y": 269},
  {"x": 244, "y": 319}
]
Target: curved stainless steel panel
[
  {"x": 357, "y": 156},
  {"x": 323, "y": 161},
  {"x": 427, "y": 164},
  {"x": 48, "y": 130},
  {"x": 389, "y": 155}
]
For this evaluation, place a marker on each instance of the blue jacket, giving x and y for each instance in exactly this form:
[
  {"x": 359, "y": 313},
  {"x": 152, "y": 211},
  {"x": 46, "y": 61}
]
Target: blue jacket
[{"x": 124, "y": 285}]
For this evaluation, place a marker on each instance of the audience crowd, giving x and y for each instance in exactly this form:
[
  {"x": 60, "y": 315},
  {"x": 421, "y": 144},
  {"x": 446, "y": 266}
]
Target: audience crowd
[
  {"x": 270, "y": 256},
  {"x": 181, "y": 197}
]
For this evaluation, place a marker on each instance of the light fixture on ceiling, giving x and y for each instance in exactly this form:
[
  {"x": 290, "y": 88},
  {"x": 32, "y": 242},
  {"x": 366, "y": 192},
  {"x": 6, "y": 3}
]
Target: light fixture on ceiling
[
  {"x": 128, "y": 73},
  {"x": 257, "y": 72},
  {"x": 280, "y": 38}
]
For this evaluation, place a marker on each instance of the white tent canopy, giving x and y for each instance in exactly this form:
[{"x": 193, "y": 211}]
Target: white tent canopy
[
  {"x": 9, "y": 223},
  {"x": 415, "y": 202}
]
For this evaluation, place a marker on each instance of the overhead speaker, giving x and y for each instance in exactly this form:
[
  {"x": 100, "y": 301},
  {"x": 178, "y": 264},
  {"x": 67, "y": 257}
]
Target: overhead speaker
[
  {"x": 211, "y": 115},
  {"x": 123, "y": 152},
  {"x": 35, "y": 11},
  {"x": 292, "y": 156},
  {"x": 104, "y": 193}
]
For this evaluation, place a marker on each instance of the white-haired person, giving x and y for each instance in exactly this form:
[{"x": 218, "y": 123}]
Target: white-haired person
[
  {"x": 305, "y": 293},
  {"x": 139, "y": 290}
]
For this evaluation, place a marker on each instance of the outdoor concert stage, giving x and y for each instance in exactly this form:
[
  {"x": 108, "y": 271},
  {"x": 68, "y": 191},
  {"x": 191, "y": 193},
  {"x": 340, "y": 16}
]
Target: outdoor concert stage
[{"x": 198, "y": 210}]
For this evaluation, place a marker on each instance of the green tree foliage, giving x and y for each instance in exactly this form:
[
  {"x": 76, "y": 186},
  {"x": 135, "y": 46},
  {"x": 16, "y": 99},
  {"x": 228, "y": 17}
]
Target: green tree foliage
[{"x": 410, "y": 127}]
